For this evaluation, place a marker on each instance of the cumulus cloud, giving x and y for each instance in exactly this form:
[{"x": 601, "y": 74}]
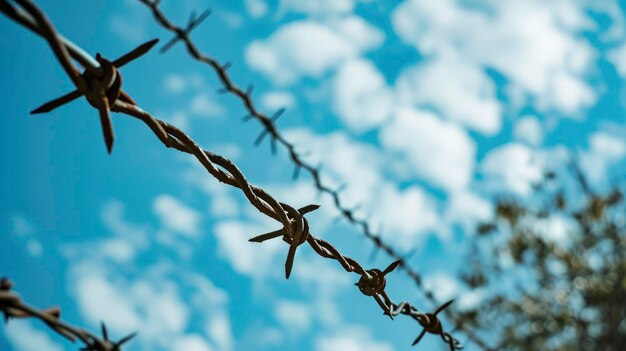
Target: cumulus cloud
[
  {"x": 446, "y": 287},
  {"x": 158, "y": 305},
  {"x": 129, "y": 283},
  {"x": 285, "y": 57},
  {"x": 246, "y": 258},
  {"x": 528, "y": 130},
  {"x": 176, "y": 216},
  {"x": 100, "y": 300},
  {"x": 293, "y": 315},
  {"x": 506, "y": 36},
  {"x": 25, "y": 336},
  {"x": 191, "y": 342},
  {"x": 604, "y": 150},
  {"x": 512, "y": 168},
  {"x": 204, "y": 104},
  {"x": 218, "y": 328},
  {"x": 468, "y": 209},
  {"x": 26, "y": 231},
  {"x": 362, "y": 98},
  {"x": 275, "y": 100},
  {"x": 407, "y": 214},
  {"x": 256, "y": 8},
  {"x": 459, "y": 90},
  {"x": 344, "y": 160},
  {"x": 318, "y": 8},
  {"x": 438, "y": 151},
  {"x": 351, "y": 339}
]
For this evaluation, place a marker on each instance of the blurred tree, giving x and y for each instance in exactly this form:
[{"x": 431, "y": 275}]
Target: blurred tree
[{"x": 550, "y": 273}]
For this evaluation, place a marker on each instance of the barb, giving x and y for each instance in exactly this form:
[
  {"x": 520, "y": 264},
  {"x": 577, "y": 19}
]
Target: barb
[
  {"x": 270, "y": 129},
  {"x": 295, "y": 227},
  {"x": 12, "y": 306}
]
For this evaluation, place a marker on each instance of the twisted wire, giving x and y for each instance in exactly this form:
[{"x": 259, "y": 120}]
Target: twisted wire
[
  {"x": 270, "y": 129},
  {"x": 295, "y": 228},
  {"x": 12, "y": 306}
]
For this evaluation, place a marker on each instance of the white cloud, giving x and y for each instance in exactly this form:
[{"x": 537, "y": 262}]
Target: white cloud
[
  {"x": 179, "y": 83},
  {"x": 556, "y": 228},
  {"x": 175, "y": 83},
  {"x": 193, "y": 342},
  {"x": 21, "y": 226},
  {"x": 118, "y": 249},
  {"x": 285, "y": 57},
  {"x": 218, "y": 328},
  {"x": 604, "y": 151},
  {"x": 506, "y": 36},
  {"x": 176, "y": 216},
  {"x": 155, "y": 304},
  {"x": 351, "y": 339},
  {"x": 459, "y": 90},
  {"x": 161, "y": 305},
  {"x": 112, "y": 216},
  {"x": 442, "y": 285},
  {"x": 361, "y": 96},
  {"x": 24, "y": 336},
  {"x": 405, "y": 214},
  {"x": 256, "y": 8},
  {"x": 293, "y": 315},
  {"x": 26, "y": 231},
  {"x": 446, "y": 287},
  {"x": 344, "y": 160},
  {"x": 100, "y": 300},
  {"x": 318, "y": 7},
  {"x": 468, "y": 209},
  {"x": 528, "y": 130},
  {"x": 251, "y": 259},
  {"x": 124, "y": 284},
  {"x": 512, "y": 168},
  {"x": 438, "y": 151},
  {"x": 618, "y": 57},
  {"x": 204, "y": 104},
  {"x": 131, "y": 29},
  {"x": 358, "y": 32},
  {"x": 34, "y": 247},
  {"x": 275, "y": 100}
]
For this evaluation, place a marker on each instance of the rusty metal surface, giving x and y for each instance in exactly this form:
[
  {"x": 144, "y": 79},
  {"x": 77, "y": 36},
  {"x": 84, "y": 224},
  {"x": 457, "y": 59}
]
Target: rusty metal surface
[{"x": 101, "y": 86}]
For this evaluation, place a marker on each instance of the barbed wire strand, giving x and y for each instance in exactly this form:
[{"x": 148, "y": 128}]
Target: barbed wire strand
[
  {"x": 104, "y": 93},
  {"x": 12, "y": 306},
  {"x": 270, "y": 129}
]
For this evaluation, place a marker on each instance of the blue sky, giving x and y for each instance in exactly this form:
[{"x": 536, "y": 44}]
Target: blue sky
[{"x": 427, "y": 110}]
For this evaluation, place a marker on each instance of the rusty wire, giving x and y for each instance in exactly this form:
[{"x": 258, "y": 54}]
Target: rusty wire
[
  {"x": 101, "y": 86},
  {"x": 269, "y": 129},
  {"x": 12, "y": 306}
]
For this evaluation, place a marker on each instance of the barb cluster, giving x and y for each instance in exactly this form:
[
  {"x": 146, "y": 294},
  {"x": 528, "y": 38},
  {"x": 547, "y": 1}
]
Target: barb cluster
[
  {"x": 12, "y": 306},
  {"x": 102, "y": 88},
  {"x": 269, "y": 129}
]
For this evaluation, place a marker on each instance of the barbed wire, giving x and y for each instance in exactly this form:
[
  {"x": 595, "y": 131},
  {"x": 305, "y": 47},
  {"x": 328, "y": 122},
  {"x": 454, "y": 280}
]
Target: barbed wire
[
  {"x": 100, "y": 83},
  {"x": 269, "y": 129},
  {"x": 12, "y": 306}
]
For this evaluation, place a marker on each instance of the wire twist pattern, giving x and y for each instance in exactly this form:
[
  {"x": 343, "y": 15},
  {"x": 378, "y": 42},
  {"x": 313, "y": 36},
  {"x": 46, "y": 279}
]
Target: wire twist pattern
[
  {"x": 269, "y": 129},
  {"x": 101, "y": 85}
]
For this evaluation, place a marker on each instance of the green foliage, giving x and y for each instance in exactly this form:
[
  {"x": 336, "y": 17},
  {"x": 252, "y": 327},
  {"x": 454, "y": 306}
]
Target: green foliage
[{"x": 543, "y": 291}]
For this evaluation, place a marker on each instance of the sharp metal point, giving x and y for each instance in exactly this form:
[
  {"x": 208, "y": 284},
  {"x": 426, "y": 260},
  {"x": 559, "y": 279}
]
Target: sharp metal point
[
  {"x": 135, "y": 53},
  {"x": 58, "y": 102}
]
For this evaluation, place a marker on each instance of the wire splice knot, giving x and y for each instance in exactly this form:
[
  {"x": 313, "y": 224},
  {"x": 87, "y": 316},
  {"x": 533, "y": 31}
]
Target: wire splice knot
[{"x": 294, "y": 233}]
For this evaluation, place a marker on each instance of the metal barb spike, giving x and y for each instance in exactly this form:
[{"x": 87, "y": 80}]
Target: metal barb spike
[
  {"x": 278, "y": 113},
  {"x": 135, "y": 53},
  {"x": 391, "y": 267},
  {"x": 267, "y": 236},
  {"x": 260, "y": 138}
]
